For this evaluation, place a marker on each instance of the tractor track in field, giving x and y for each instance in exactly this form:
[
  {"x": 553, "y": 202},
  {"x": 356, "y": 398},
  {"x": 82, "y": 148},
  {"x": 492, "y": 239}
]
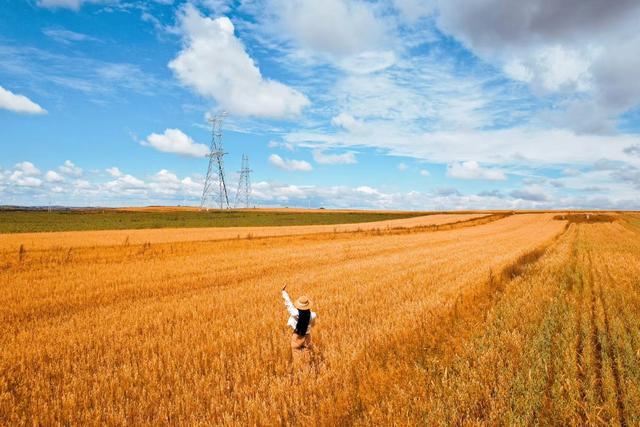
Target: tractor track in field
[
  {"x": 594, "y": 333},
  {"x": 579, "y": 360},
  {"x": 546, "y": 414},
  {"x": 613, "y": 354},
  {"x": 608, "y": 348},
  {"x": 547, "y": 397},
  {"x": 623, "y": 315}
]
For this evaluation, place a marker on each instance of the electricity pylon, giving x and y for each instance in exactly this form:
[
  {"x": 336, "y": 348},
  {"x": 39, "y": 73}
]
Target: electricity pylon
[
  {"x": 216, "y": 164},
  {"x": 243, "y": 194}
]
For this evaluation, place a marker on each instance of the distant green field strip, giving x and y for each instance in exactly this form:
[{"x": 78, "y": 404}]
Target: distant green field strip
[{"x": 37, "y": 221}]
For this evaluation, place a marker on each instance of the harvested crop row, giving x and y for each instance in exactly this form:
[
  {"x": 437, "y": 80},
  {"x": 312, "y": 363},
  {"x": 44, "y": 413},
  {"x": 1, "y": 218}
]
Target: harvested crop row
[{"x": 68, "y": 239}]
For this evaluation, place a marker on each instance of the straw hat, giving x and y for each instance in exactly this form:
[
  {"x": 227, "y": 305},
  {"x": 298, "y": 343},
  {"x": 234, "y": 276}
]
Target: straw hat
[{"x": 303, "y": 303}]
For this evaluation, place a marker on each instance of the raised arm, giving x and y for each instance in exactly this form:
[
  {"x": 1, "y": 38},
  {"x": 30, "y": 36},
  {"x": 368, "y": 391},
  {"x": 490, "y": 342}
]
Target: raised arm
[{"x": 287, "y": 303}]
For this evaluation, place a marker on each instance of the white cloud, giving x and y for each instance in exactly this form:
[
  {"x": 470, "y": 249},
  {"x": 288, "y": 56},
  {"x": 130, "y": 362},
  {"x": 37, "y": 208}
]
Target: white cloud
[
  {"x": 514, "y": 147},
  {"x": 600, "y": 188},
  {"x": 215, "y": 64},
  {"x": 322, "y": 158},
  {"x": 424, "y": 172},
  {"x": 25, "y": 175},
  {"x": 552, "y": 69},
  {"x": 27, "y": 168},
  {"x": 18, "y": 103},
  {"x": 424, "y": 90},
  {"x": 289, "y": 165},
  {"x": 114, "y": 171},
  {"x": 280, "y": 144},
  {"x": 53, "y": 176},
  {"x": 82, "y": 184},
  {"x": 69, "y": 168},
  {"x": 402, "y": 167},
  {"x": 334, "y": 27},
  {"x": 348, "y": 122},
  {"x": 472, "y": 170},
  {"x": 22, "y": 180},
  {"x": 175, "y": 141},
  {"x": 126, "y": 184},
  {"x": 367, "y": 197}
]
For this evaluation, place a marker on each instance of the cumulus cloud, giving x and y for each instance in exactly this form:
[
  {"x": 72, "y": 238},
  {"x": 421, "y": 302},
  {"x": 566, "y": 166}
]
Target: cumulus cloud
[
  {"x": 402, "y": 167},
  {"x": 25, "y": 174},
  {"x": 290, "y": 165},
  {"x": 424, "y": 172},
  {"x": 69, "y": 168},
  {"x": 215, "y": 63},
  {"x": 27, "y": 168},
  {"x": 323, "y": 158},
  {"x": 161, "y": 187},
  {"x": 472, "y": 170},
  {"x": 21, "y": 180},
  {"x": 176, "y": 142},
  {"x": 18, "y": 103},
  {"x": 126, "y": 184},
  {"x": 53, "y": 176}
]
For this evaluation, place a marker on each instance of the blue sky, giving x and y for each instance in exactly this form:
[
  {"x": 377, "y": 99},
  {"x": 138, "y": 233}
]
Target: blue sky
[{"x": 395, "y": 104}]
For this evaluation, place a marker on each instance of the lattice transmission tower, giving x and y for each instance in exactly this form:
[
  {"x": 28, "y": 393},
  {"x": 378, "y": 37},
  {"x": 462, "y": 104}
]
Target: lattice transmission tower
[
  {"x": 216, "y": 165},
  {"x": 243, "y": 194}
]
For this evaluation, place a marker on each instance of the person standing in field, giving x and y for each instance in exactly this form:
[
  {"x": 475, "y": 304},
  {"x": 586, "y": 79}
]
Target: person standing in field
[{"x": 301, "y": 319}]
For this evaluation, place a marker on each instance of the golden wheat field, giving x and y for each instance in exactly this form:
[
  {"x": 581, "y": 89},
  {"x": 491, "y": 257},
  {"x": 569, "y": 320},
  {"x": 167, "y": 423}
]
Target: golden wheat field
[{"x": 488, "y": 319}]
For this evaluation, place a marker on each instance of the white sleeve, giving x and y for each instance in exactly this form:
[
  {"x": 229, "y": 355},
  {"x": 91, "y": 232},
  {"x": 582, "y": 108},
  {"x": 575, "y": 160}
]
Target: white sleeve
[{"x": 287, "y": 303}]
